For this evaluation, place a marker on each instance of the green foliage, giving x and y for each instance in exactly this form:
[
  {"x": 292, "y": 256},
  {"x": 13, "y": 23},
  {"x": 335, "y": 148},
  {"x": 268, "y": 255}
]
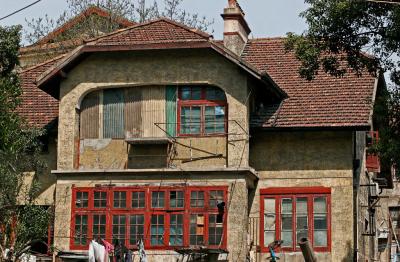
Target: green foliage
[
  {"x": 138, "y": 11},
  {"x": 361, "y": 37},
  {"x": 19, "y": 150}
]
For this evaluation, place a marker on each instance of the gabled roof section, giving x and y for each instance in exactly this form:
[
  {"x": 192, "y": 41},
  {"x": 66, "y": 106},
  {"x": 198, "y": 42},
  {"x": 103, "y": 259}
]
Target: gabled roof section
[
  {"x": 93, "y": 10},
  {"x": 37, "y": 107},
  {"x": 155, "y": 35},
  {"x": 326, "y": 101},
  {"x": 157, "y": 31}
]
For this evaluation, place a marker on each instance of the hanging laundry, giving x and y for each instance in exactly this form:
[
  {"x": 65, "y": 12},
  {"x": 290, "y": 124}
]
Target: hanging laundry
[
  {"x": 142, "y": 252},
  {"x": 97, "y": 252},
  {"x": 128, "y": 256}
]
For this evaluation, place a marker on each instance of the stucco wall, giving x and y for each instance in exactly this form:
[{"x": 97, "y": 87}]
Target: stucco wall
[
  {"x": 309, "y": 159},
  {"x": 128, "y": 69}
]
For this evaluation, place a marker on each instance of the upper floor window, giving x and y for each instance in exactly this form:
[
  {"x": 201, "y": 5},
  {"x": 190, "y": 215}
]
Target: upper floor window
[
  {"x": 291, "y": 214},
  {"x": 201, "y": 111}
]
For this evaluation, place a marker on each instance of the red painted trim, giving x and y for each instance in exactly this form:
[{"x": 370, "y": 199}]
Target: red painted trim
[
  {"x": 310, "y": 193},
  {"x": 202, "y": 103},
  {"x": 109, "y": 211},
  {"x": 295, "y": 190}
]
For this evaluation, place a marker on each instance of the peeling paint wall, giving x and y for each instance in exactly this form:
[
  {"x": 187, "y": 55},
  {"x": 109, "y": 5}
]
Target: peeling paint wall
[{"x": 102, "y": 154}]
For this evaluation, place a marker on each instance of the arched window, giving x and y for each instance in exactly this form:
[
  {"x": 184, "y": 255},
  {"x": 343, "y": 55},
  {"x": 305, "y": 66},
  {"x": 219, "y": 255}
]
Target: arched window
[{"x": 202, "y": 111}]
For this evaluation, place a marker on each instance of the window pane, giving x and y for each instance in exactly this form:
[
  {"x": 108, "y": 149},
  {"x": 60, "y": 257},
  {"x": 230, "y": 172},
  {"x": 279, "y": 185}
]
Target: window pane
[
  {"x": 185, "y": 93},
  {"x": 301, "y": 218},
  {"x": 320, "y": 205},
  {"x": 210, "y": 121},
  {"x": 99, "y": 226},
  {"x": 214, "y": 93},
  {"x": 81, "y": 228},
  {"x": 118, "y": 228},
  {"x": 196, "y": 93},
  {"x": 195, "y": 120},
  {"x": 119, "y": 199},
  {"x": 216, "y": 196},
  {"x": 269, "y": 220},
  {"x": 138, "y": 200},
  {"x": 82, "y": 199},
  {"x": 136, "y": 228},
  {"x": 157, "y": 199},
  {"x": 215, "y": 230},
  {"x": 100, "y": 199},
  {"x": 176, "y": 230},
  {"x": 196, "y": 228},
  {"x": 320, "y": 238},
  {"x": 157, "y": 230},
  {"x": 190, "y": 119},
  {"x": 287, "y": 222},
  {"x": 320, "y": 222},
  {"x": 197, "y": 199},
  {"x": 220, "y": 119},
  {"x": 176, "y": 199}
]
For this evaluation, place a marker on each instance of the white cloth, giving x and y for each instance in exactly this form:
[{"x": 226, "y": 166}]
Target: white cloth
[
  {"x": 97, "y": 252},
  {"x": 142, "y": 252}
]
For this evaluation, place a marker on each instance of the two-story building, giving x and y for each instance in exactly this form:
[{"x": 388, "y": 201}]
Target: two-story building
[{"x": 206, "y": 149}]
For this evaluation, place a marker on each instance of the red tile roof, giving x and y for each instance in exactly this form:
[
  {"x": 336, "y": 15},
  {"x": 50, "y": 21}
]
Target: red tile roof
[
  {"x": 93, "y": 10},
  {"x": 37, "y": 107},
  {"x": 326, "y": 101},
  {"x": 157, "y": 31}
]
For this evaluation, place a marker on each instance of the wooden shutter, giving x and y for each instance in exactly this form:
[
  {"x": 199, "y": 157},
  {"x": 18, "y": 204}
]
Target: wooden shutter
[
  {"x": 113, "y": 113},
  {"x": 170, "y": 110},
  {"x": 89, "y": 117}
]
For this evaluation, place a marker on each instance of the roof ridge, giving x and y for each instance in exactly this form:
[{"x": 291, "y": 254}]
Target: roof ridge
[
  {"x": 43, "y": 63},
  {"x": 175, "y": 23},
  {"x": 268, "y": 38},
  {"x": 76, "y": 19}
]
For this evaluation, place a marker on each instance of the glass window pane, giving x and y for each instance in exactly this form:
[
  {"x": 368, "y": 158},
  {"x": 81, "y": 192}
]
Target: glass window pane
[
  {"x": 196, "y": 93},
  {"x": 320, "y": 238},
  {"x": 286, "y": 205},
  {"x": 320, "y": 222},
  {"x": 195, "y": 120},
  {"x": 269, "y": 205},
  {"x": 320, "y": 205},
  {"x": 100, "y": 199},
  {"x": 185, "y": 93},
  {"x": 269, "y": 237},
  {"x": 301, "y": 206},
  {"x": 176, "y": 230},
  {"x": 158, "y": 199},
  {"x": 138, "y": 200},
  {"x": 136, "y": 228},
  {"x": 287, "y": 238},
  {"x": 82, "y": 199},
  {"x": 287, "y": 222},
  {"x": 176, "y": 199},
  {"x": 157, "y": 230},
  {"x": 119, "y": 199}
]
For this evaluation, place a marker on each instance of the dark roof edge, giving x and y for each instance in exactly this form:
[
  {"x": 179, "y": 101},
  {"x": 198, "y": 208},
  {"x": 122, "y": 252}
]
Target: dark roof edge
[{"x": 313, "y": 128}]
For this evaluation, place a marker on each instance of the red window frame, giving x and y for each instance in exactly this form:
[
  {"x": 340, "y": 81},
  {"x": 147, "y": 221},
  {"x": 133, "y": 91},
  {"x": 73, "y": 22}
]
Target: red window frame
[
  {"x": 147, "y": 212},
  {"x": 297, "y": 192},
  {"x": 202, "y": 103}
]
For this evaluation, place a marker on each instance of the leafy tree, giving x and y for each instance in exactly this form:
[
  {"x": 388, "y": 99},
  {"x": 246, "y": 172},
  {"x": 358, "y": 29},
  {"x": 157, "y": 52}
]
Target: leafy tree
[
  {"x": 138, "y": 11},
  {"x": 21, "y": 222},
  {"x": 342, "y": 32}
]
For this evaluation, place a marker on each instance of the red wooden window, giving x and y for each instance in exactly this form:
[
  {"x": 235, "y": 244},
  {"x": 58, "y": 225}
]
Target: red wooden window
[
  {"x": 372, "y": 159},
  {"x": 201, "y": 111},
  {"x": 163, "y": 217},
  {"x": 290, "y": 214}
]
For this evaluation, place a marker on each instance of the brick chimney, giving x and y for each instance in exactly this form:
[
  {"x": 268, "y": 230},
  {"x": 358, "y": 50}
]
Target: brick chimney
[{"x": 236, "y": 29}]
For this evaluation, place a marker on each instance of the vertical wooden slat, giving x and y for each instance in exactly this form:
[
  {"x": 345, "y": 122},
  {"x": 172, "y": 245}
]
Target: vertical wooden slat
[
  {"x": 89, "y": 117},
  {"x": 153, "y": 110},
  {"x": 133, "y": 111},
  {"x": 113, "y": 119},
  {"x": 170, "y": 96}
]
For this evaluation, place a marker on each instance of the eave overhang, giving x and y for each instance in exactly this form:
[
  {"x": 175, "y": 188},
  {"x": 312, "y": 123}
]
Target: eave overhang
[
  {"x": 161, "y": 174},
  {"x": 51, "y": 78}
]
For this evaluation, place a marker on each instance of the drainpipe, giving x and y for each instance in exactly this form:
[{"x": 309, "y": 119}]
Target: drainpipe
[{"x": 356, "y": 186}]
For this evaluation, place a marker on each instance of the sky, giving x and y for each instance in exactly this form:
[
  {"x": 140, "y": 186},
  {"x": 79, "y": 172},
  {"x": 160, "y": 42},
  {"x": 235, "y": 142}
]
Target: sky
[{"x": 266, "y": 18}]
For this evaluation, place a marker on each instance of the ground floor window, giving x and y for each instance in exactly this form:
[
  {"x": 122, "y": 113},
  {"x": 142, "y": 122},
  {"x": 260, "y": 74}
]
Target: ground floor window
[
  {"x": 289, "y": 214},
  {"x": 163, "y": 217}
]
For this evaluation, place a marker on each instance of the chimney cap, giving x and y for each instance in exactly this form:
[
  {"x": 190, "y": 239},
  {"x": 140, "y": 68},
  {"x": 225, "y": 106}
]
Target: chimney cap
[{"x": 235, "y": 4}]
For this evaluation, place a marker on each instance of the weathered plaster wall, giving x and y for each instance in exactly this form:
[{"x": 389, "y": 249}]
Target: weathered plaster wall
[
  {"x": 236, "y": 209},
  {"x": 128, "y": 69},
  {"x": 307, "y": 159}
]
